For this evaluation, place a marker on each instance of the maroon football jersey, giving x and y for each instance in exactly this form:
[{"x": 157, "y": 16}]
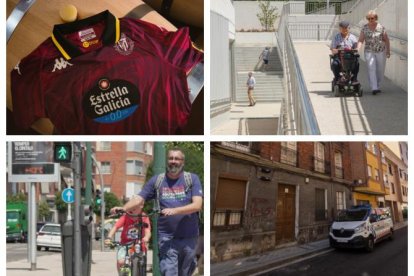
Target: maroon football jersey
[{"x": 104, "y": 75}]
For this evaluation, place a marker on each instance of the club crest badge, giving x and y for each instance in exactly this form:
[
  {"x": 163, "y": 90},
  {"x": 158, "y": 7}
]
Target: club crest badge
[{"x": 125, "y": 45}]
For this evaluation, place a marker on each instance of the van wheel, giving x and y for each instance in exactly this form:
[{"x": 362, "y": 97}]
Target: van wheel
[
  {"x": 391, "y": 237},
  {"x": 39, "y": 248},
  {"x": 370, "y": 245}
]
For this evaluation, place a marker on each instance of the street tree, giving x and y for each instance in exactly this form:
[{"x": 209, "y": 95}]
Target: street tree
[
  {"x": 20, "y": 197},
  {"x": 267, "y": 16},
  {"x": 44, "y": 211},
  {"x": 61, "y": 206}
]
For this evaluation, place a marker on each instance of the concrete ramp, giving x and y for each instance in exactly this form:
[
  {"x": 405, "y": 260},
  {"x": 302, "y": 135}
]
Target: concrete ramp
[{"x": 383, "y": 114}]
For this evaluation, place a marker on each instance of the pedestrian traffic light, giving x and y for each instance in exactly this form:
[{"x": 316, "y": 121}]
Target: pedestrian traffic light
[
  {"x": 62, "y": 152},
  {"x": 86, "y": 214},
  {"x": 98, "y": 197}
]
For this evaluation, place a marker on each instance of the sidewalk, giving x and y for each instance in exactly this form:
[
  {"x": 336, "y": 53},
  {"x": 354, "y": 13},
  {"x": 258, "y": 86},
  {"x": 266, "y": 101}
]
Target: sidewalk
[
  {"x": 382, "y": 114},
  {"x": 104, "y": 263},
  {"x": 261, "y": 262},
  {"x": 261, "y": 119}
]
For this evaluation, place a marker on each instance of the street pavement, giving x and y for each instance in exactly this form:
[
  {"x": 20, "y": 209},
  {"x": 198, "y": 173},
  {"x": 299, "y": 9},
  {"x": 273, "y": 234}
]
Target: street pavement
[
  {"x": 388, "y": 258},
  {"x": 104, "y": 263},
  {"x": 382, "y": 114},
  {"x": 267, "y": 261},
  {"x": 261, "y": 119}
]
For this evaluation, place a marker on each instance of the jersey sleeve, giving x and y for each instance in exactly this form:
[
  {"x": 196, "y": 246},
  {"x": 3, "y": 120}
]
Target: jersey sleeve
[
  {"x": 148, "y": 192},
  {"x": 174, "y": 47},
  {"x": 26, "y": 91},
  {"x": 196, "y": 190}
]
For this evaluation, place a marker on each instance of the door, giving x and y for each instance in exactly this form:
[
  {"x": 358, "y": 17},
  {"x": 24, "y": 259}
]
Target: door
[{"x": 285, "y": 214}]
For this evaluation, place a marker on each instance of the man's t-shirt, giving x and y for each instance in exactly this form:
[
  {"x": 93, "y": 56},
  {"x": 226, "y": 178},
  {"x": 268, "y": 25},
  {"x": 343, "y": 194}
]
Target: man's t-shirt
[
  {"x": 129, "y": 231},
  {"x": 349, "y": 42},
  {"x": 104, "y": 75},
  {"x": 172, "y": 194}
]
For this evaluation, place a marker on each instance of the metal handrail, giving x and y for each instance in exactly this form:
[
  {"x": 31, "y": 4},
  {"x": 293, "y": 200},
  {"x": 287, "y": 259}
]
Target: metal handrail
[{"x": 297, "y": 109}]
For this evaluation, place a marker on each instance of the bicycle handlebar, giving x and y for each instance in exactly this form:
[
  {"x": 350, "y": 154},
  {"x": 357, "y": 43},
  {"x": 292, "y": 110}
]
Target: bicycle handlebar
[{"x": 119, "y": 213}]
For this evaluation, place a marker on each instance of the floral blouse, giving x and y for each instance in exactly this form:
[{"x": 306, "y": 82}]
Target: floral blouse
[{"x": 374, "y": 40}]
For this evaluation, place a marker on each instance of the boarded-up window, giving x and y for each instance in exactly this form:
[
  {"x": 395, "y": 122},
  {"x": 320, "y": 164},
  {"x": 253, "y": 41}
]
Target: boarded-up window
[
  {"x": 319, "y": 157},
  {"x": 230, "y": 201},
  {"x": 288, "y": 153},
  {"x": 339, "y": 170},
  {"x": 320, "y": 204}
]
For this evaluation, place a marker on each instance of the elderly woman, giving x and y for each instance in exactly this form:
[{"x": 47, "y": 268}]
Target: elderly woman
[
  {"x": 377, "y": 49},
  {"x": 343, "y": 40}
]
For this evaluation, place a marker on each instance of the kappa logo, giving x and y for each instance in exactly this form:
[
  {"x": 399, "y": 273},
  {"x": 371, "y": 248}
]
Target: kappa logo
[
  {"x": 17, "y": 67},
  {"x": 61, "y": 64},
  {"x": 125, "y": 45}
]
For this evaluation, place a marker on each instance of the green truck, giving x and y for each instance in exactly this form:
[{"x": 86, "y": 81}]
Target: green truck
[{"x": 16, "y": 222}]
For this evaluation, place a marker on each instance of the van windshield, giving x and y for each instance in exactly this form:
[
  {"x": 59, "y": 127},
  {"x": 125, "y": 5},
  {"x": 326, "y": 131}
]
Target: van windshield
[{"x": 352, "y": 215}]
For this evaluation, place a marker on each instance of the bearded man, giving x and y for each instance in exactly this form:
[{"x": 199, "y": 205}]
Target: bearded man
[{"x": 179, "y": 196}]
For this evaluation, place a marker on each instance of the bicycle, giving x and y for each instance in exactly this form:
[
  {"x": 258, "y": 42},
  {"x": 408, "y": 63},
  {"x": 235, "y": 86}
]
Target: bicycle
[{"x": 135, "y": 261}]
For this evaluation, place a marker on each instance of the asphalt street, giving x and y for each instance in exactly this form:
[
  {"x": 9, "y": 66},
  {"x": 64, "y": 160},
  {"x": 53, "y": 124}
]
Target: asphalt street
[{"x": 389, "y": 258}]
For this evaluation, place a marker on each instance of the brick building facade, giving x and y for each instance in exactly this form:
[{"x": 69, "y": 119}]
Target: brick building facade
[
  {"x": 123, "y": 166},
  {"x": 268, "y": 194}
]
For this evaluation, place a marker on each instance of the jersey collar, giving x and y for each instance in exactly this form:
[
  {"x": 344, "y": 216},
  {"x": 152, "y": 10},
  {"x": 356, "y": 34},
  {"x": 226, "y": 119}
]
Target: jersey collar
[{"x": 110, "y": 35}]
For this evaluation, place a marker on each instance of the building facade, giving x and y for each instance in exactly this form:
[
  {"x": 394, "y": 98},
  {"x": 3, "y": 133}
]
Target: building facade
[
  {"x": 373, "y": 190},
  {"x": 268, "y": 194},
  {"x": 123, "y": 166}
]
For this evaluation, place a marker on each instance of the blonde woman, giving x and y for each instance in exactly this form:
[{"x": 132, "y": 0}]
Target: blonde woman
[{"x": 377, "y": 49}]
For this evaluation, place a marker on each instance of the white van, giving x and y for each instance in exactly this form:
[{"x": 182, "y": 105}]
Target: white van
[{"x": 361, "y": 227}]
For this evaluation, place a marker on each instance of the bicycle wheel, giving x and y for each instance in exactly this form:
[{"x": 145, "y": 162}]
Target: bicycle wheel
[{"x": 135, "y": 267}]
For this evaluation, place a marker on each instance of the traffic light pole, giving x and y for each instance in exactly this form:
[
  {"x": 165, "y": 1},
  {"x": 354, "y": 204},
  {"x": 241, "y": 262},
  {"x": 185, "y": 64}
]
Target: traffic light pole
[
  {"x": 159, "y": 167},
  {"x": 102, "y": 204},
  {"x": 76, "y": 225}
]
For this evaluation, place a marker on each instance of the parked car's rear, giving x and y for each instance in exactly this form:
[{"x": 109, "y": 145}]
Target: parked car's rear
[{"x": 49, "y": 236}]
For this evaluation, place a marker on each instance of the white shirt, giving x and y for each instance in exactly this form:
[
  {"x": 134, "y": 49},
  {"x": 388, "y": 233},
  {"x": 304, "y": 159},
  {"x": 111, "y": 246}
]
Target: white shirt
[{"x": 251, "y": 82}]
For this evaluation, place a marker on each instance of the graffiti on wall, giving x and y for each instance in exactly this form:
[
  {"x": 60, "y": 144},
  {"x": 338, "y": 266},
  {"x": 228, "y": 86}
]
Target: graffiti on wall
[{"x": 260, "y": 214}]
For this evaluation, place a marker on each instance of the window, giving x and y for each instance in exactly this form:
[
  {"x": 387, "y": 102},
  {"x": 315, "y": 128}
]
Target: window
[
  {"x": 401, "y": 173},
  {"x": 405, "y": 176},
  {"x": 134, "y": 167},
  {"x": 340, "y": 201},
  {"x": 390, "y": 169},
  {"x": 148, "y": 148},
  {"x": 133, "y": 188},
  {"x": 383, "y": 157},
  {"x": 135, "y": 146},
  {"x": 369, "y": 170},
  {"x": 229, "y": 205},
  {"x": 374, "y": 149},
  {"x": 386, "y": 182},
  {"x": 320, "y": 204},
  {"x": 105, "y": 167},
  {"x": 376, "y": 175},
  {"x": 252, "y": 147},
  {"x": 319, "y": 157},
  {"x": 339, "y": 171},
  {"x": 392, "y": 188},
  {"x": 103, "y": 146},
  {"x": 288, "y": 154}
]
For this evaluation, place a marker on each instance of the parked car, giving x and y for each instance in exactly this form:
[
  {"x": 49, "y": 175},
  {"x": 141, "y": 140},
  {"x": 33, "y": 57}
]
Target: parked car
[
  {"x": 361, "y": 227},
  {"x": 49, "y": 236}
]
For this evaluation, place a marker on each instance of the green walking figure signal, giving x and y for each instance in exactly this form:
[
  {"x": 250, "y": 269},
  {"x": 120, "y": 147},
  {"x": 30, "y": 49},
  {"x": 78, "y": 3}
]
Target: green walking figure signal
[{"x": 62, "y": 152}]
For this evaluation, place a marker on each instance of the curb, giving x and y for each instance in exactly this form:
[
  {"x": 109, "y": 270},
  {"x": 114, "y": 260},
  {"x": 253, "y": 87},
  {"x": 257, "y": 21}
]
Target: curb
[{"x": 275, "y": 263}]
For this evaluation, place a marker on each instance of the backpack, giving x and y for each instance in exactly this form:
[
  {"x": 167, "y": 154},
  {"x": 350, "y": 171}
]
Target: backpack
[{"x": 160, "y": 178}]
